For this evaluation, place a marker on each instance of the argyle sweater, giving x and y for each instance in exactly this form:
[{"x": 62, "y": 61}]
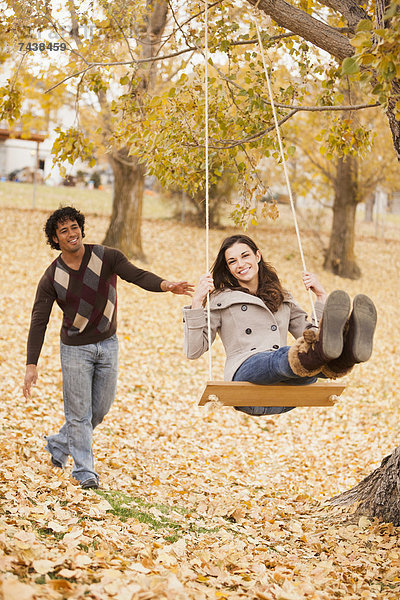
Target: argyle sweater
[{"x": 87, "y": 297}]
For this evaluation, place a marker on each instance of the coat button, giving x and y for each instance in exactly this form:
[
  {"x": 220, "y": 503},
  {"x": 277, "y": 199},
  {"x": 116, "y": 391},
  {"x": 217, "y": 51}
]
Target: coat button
[
  {"x": 248, "y": 331},
  {"x": 275, "y": 346},
  {"x": 274, "y": 327},
  {"x": 244, "y": 307},
  {"x": 218, "y": 303}
]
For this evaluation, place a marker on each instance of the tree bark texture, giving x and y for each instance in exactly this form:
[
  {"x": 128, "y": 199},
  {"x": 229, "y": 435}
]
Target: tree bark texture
[
  {"x": 391, "y": 115},
  {"x": 340, "y": 257},
  {"x": 351, "y": 10},
  {"x": 308, "y": 27},
  {"x": 378, "y": 495},
  {"x": 124, "y": 231}
]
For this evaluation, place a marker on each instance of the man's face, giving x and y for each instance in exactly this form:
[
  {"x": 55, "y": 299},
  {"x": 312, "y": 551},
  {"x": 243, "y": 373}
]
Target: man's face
[{"x": 69, "y": 236}]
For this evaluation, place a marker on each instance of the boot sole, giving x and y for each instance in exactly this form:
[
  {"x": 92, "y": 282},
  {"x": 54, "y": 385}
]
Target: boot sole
[
  {"x": 364, "y": 320},
  {"x": 336, "y": 312}
]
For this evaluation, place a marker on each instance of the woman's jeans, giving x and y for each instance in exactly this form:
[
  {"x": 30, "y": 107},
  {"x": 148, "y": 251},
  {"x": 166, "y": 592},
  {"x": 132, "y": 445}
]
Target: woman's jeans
[
  {"x": 89, "y": 387},
  {"x": 268, "y": 368}
]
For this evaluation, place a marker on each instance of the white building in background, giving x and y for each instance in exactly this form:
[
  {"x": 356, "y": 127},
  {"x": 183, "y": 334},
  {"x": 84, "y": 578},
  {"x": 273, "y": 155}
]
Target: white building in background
[
  {"x": 17, "y": 155},
  {"x": 22, "y": 155},
  {"x": 19, "y": 158}
]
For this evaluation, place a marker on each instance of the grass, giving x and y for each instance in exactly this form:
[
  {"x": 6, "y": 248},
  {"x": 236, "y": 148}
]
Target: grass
[
  {"x": 49, "y": 198},
  {"x": 128, "y": 507}
]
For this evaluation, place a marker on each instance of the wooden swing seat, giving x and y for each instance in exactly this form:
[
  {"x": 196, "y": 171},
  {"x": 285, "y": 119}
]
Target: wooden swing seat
[{"x": 242, "y": 393}]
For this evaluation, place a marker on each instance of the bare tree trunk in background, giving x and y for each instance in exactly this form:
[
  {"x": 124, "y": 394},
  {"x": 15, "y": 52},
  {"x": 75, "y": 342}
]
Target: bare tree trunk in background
[
  {"x": 369, "y": 208},
  {"x": 340, "y": 257},
  {"x": 124, "y": 231}
]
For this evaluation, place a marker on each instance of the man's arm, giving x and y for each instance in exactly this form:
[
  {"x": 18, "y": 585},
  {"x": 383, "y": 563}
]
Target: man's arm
[
  {"x": 44, "y": 300},
  {"x": 145, "y": 279}
]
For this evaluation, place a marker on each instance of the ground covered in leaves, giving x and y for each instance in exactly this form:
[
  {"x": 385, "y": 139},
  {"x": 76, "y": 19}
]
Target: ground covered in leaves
[{"x": 196, "y": 503}]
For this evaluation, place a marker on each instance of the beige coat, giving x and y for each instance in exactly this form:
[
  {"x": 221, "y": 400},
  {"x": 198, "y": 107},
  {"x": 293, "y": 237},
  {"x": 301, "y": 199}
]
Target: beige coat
[{"x": 246, "y": 326}]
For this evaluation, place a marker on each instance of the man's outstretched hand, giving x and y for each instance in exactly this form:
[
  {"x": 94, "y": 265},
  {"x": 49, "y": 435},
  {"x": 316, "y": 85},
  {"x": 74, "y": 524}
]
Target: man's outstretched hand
[{"x": 177, "y": 287}]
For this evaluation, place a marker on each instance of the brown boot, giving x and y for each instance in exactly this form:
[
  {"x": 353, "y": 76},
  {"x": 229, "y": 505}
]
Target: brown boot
[
  {"x": 316, "y": 348},
  {"x": 358, "y": 338}
]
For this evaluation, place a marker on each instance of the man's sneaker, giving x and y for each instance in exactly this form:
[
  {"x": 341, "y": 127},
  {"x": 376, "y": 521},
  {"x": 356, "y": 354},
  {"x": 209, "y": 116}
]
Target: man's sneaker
[
  {"x": 56, "y": 463},
  {"x": 89, "y": 484}
]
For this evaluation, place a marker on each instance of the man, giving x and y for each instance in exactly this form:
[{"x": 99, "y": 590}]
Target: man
[{"x": 83, "y": 282}]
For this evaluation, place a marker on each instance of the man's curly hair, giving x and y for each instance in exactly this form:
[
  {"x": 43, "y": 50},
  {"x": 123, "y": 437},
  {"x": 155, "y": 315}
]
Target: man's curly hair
[{"x": 67, "y": 213}]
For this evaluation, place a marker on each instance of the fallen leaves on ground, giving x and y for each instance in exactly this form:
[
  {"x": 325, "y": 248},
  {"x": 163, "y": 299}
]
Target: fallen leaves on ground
[{"x": 196, "y": 503}]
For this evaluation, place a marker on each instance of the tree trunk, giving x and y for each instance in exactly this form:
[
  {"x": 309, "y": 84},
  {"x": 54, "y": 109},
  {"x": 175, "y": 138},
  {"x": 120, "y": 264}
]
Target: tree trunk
[
  {"x": 340, "y": 258},
  {"x": 394, "y": 123},
  {"x": 124, "y": 231},
  {"x": 369, "y": 208},
  {"x": 378, "y": 494}
]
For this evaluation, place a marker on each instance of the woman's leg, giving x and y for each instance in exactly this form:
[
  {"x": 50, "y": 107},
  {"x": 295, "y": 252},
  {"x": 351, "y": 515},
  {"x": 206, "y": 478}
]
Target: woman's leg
[
  {"x": 268, "y": 368},
  {"x": 358, "y": 338}
]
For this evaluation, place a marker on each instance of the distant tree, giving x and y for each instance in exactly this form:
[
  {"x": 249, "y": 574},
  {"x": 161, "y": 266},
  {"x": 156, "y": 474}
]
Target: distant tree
[
  {"x": 343, "y": 180},
  {"x": 220, "y": 195}
]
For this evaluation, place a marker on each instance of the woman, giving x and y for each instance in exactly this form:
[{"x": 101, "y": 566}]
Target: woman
[{"x": 253, "y": 313}]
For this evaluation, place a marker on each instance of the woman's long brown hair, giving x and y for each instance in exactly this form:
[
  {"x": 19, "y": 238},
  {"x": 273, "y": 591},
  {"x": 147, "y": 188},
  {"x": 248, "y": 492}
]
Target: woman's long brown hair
[{"x": 269, "y": 289}]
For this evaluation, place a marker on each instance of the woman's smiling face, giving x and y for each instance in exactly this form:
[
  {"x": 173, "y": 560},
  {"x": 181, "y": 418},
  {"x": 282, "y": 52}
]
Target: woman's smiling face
[{"x": 243, "y": 265}]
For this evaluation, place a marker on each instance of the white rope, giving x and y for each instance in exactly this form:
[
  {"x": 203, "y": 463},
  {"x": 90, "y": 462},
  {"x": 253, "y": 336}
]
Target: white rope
[
  {"x": 207, "y": 182},
  {"x": 207, "y": 173},
  {"x": 278, "y": 133}
]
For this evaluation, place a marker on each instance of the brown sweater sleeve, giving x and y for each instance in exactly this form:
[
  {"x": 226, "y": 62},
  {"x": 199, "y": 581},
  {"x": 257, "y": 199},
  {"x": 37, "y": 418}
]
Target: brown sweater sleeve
[
  {"x": 122, "y": 267},
  {"x": 44, "y": 300}
]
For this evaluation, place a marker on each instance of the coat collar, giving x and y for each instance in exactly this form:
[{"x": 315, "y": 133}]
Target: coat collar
[{"x": 227, "y": 297}]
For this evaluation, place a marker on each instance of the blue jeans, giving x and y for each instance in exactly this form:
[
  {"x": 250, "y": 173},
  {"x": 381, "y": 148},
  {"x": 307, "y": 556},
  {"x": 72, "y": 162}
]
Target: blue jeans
[
  {"x": 89, "y": 386},
  {"x": 268, "y": 368}
]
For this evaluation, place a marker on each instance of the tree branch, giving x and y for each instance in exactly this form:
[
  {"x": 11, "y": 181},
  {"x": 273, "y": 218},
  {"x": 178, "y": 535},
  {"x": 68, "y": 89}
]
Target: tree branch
[
  {"x": 118, "y": 158},
  {"x": 318, "y": 33},
  {"x": 12, "y": 84},
  {"x": 120, "y": 62},
  {"x": 344, "y": 107},
  {"x": 77, "y": 41},
  {"x": 295, "y": 109},
  {"x": 233, "y": 143},
  {"x": 323, "y": 170},
  {"x": 348, "y": 107},
  {"x": 272, "y": 38},
  {"x": 349, "y": 9},
  {"x": 124, "y": 36}
]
